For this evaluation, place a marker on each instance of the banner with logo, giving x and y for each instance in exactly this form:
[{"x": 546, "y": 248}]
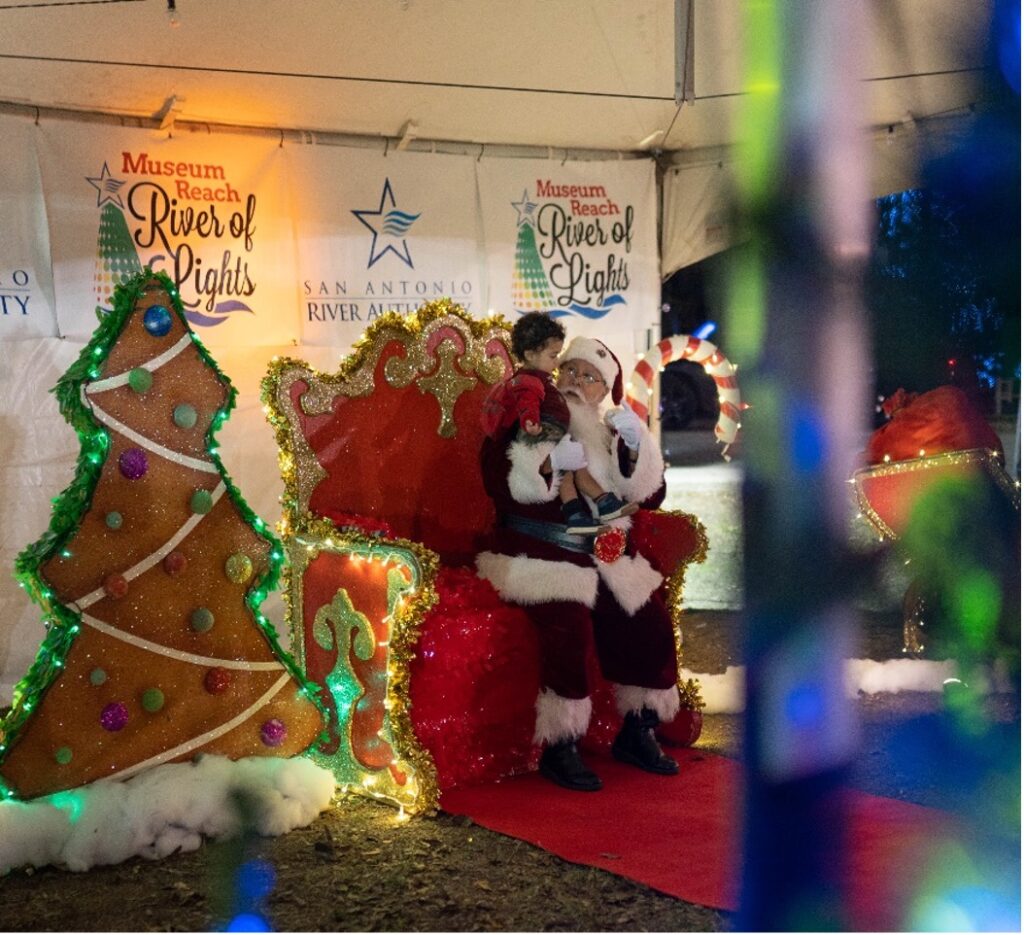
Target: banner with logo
[
  {"x": 211, "y": 211},
  {"x": 26, "y": 290},
  {"x": 381, "y": 234},
  {"x": 577, "y": 240}
]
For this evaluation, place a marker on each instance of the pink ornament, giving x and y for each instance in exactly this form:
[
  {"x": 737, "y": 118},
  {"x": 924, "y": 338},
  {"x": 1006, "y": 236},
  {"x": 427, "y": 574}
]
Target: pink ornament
[
  {"x": 175, "y": 563},
  {"x": 114, "y": 716},
  {"x": 133, "y": 463},
  {"x": 115, "y": 586},
  {"x": 273, "y": 732},
  {"x": 217, "y": 680}
]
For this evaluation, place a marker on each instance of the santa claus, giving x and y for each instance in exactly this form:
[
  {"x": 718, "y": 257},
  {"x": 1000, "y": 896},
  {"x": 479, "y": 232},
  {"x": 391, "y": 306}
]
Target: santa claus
[{"x": 581, "y": 589}]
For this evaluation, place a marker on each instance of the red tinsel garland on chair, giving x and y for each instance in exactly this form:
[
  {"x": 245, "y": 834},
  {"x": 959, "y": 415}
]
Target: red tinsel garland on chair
[{"x": 474, "y": 683}]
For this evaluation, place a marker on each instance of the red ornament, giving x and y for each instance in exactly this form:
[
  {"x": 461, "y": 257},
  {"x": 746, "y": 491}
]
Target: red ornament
[
  {"x": 610, "y": 546},
  {"x": 683, "y": 730},
  {"x": 175, "y": 563},
  {"x": 115, "y": 586},
  {"x": 217, "y": 680}
]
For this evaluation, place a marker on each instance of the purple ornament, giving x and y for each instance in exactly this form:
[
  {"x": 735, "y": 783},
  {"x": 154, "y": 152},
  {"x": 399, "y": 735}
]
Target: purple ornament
[
  {"x": 273, "y": 732},
  {"x": 114, "y": 716},
  {"x": 133, "y": 463}
]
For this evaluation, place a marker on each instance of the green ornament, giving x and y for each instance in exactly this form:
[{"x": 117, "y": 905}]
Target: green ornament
[
  {"x": 62, "y": 755},
  {"x": 98, "y": 676},
  {"x": 152, "y": 700},
  {"x": 140, "y": 379},
  {"x": 201, "y": 502},
  {"x": 201, "y": 619},
  {"x": 185, "y": 416},
  {"x": 238, "y": 568},
  {"x": 114, "y": 520}
]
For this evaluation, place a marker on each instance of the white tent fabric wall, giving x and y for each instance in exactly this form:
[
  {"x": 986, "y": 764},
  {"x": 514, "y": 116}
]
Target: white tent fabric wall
[
  {"x": 546, "y": 79},
  {"x": 40, "y": 449},
  {"x": 97, "y": 207}
]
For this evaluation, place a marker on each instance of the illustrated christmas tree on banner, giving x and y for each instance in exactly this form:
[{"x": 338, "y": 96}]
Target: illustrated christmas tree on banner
[
  {"x": 150, "y": 576},
  {"x": 531, "y": 291},
  {"x": 116, "y": 258}
]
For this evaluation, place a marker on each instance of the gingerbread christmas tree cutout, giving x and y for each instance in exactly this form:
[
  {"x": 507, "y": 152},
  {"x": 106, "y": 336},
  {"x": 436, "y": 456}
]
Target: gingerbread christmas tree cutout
[{"x": 150, "y": 576}]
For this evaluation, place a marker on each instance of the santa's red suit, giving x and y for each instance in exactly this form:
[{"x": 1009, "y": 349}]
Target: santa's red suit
[{"x": 572, "y": 597}]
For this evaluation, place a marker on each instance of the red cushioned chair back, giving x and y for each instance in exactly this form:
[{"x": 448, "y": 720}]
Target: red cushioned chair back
[{"x": 395, "y": 435}]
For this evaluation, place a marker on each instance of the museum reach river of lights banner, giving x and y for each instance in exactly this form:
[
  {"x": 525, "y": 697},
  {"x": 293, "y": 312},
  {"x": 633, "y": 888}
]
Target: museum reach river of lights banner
[
  {"x": 212, "y": 211},
  {"x": 306, "y": 245},
  {"x": 577, "y": 240}
]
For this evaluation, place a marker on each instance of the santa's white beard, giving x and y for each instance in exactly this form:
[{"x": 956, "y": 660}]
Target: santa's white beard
[{"x": 588, "y": 428}]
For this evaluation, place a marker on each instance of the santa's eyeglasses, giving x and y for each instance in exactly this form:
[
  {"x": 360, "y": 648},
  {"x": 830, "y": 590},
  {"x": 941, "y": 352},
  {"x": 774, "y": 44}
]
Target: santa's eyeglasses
[{"x": 570, "y": 371}]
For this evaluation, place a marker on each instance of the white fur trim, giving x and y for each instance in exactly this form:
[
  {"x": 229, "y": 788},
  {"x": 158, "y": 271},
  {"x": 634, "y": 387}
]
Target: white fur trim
[
  {"x": 597, "y": 354},
  {"x": 525, "y": 482},
  {"x": 631, "y": 579},
  {"x": 525, "y": 580},
  {"x": 662, "y": 701},
  {"x": 648, "y": 472},
  {"x": 560, "y": 718},
  {"x": 601, "y": 445}
]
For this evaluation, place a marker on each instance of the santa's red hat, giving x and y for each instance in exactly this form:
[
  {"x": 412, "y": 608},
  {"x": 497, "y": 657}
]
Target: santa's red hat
[{"x": 598, "y": 354}]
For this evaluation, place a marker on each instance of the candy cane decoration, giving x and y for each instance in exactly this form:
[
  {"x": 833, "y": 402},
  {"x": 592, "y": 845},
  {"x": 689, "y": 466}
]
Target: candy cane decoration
[{"x": 687, "y": 347}]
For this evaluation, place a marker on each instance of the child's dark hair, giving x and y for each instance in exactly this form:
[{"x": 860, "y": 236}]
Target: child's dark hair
[{"x": 532, "y": 331}]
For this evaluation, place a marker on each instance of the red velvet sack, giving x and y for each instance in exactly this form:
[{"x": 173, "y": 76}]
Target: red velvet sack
[
  {"x": 940, "y": 420},
  {"x": 665, "y": 539}
]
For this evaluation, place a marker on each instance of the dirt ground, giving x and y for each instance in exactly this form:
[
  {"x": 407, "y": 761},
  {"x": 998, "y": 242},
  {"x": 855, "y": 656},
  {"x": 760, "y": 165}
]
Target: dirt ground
[{"x": 357, "y": 868}]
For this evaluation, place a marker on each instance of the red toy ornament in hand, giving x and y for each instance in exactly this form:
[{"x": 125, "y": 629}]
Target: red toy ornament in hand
[{"x": 610, "y": 546}]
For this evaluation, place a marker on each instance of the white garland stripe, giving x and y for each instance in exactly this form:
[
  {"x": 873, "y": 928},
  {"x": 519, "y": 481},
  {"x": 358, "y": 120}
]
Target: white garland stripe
[
  {"x": 196, "y": 742},
  {"x": 155, "y": 447},
  {"x": 178, "y": 654},
  {"x": 109, "y": 383},
  {"x": 140, "y": 567}
]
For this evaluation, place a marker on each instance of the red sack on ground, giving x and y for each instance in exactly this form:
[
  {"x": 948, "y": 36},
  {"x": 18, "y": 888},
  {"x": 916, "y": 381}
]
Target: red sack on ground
[{"x": 940, "y": 420}]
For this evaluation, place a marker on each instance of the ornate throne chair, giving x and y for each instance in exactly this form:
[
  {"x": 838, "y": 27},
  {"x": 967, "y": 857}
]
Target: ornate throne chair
[{"x": 430, "y": 679}]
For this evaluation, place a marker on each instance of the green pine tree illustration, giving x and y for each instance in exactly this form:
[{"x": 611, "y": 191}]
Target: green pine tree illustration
[
  {"x": 116, "y": 258},
  {"x": 531, "y": 291}
]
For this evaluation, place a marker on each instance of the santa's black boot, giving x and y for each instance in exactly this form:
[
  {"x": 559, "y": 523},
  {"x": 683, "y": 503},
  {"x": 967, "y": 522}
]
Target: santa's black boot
[
  {"x": 636, "y": 744},
  {"x": 562, "y": 764}
]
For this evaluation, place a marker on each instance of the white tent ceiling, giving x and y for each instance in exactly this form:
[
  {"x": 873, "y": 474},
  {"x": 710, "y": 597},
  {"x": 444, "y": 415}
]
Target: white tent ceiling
[{"x": 579, "y": 74}]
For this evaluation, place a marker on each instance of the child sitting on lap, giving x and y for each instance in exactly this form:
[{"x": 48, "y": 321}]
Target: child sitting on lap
[{"x": 530, "y": 398}]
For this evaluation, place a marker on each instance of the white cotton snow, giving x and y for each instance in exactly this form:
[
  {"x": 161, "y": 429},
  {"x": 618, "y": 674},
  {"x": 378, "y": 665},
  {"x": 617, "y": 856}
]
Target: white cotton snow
[
  {"x": 724, "y": 693},
  {"x": 169, "y": 808},
  {"x": 897, "y": 675}
]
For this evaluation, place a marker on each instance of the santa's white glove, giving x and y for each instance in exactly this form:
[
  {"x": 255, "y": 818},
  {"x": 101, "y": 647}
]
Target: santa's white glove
[
  {"x": 628, "y": 424},
  {"x": 568, "y": 455}
]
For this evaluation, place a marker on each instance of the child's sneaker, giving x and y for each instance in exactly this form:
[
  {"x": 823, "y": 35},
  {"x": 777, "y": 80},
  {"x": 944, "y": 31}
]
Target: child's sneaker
[
  {"x": 578, "y": 518},
  {"x": 610, "y": 507}
]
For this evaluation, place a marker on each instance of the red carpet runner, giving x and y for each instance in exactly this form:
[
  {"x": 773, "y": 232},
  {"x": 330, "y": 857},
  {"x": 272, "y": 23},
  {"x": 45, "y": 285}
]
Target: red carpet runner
[{"x": 680, "y": 834}]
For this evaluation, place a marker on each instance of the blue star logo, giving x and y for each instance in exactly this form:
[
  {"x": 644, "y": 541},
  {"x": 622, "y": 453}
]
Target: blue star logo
[
  {"x": 388, "y": 226},
  {"x": 107, "y": 188},
  {"x": 524, "y": 210}
]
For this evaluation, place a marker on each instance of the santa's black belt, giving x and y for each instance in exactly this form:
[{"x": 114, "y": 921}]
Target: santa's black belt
[{"x": 555, "y": 533}]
